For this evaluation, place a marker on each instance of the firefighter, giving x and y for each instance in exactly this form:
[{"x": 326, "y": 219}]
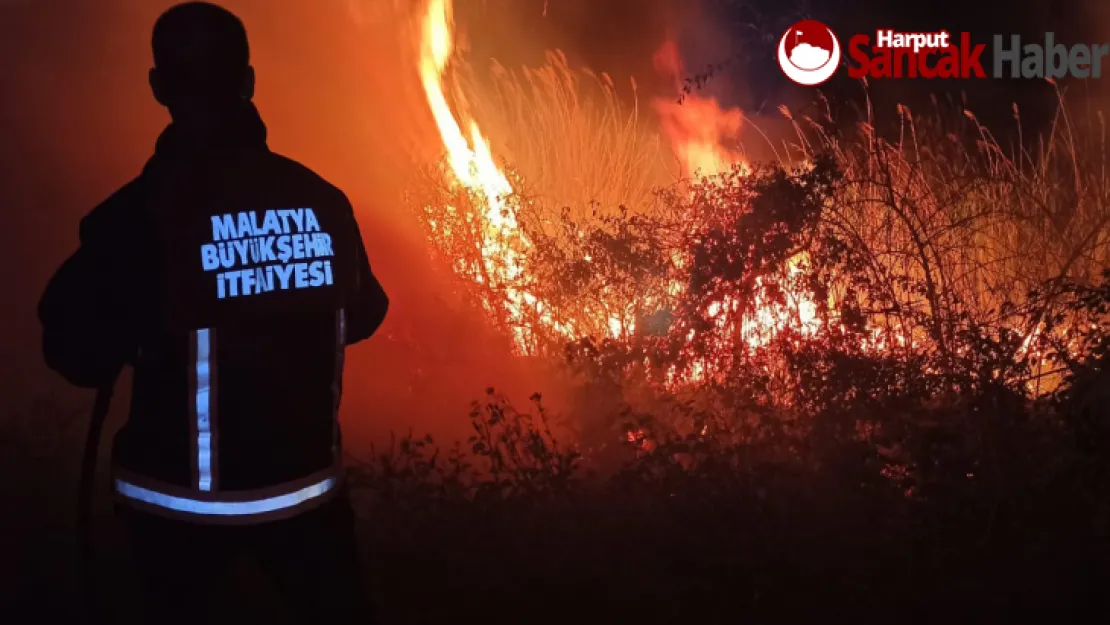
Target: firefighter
[{"x": 231, "y": 279}]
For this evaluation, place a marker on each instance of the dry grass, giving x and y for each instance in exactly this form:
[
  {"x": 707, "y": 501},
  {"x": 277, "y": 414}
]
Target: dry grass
[
  {"x": 956, "y": 229},
  {"x": 979, "y": 224},
  {"x": 574, "y": 138}
]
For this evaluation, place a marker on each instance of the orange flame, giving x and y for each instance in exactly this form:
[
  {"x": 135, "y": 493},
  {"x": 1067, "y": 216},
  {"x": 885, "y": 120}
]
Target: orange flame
[
  {"x": 472, "y": 164},
  {"x": 698, "y": 128}
]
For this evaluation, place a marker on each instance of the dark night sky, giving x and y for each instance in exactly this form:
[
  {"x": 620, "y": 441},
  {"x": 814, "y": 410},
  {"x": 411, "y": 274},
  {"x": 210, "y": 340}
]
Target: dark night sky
[{"x": 616, "y": 35}]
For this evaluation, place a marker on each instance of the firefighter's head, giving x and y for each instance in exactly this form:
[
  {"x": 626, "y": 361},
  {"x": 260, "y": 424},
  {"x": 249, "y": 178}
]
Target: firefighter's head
[{"x": 201, "y": 60}]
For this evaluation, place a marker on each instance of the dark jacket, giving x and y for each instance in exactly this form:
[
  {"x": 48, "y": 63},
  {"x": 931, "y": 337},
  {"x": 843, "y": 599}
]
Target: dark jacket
[{"x": 231, "y": 278}]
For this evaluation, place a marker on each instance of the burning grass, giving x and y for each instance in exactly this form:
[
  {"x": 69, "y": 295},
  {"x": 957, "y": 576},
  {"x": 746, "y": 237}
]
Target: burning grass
[
  {"x": 881, "y": 271},
  {"x": 910, "y": 242},
  {"x": 604, "y": 154},
  {"x": 979, "y": 226}
]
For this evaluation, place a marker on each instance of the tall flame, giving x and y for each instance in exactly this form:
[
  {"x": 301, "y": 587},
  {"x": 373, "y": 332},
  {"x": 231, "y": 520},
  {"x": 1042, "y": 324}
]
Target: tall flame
[
  {"x": 471, "y": 162},
  {"x": 504, "y": 244}
]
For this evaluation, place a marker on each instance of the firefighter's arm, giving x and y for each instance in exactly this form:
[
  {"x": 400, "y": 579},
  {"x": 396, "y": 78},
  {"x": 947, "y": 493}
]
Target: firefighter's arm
[
  {"x": 370, "y": 303},
  {"x": 87, "y": 325}
]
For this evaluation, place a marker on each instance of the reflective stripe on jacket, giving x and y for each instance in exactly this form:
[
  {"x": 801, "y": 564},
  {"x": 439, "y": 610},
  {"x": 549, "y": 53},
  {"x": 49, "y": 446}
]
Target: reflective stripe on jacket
[
  {"x": 232, "y": 279},
  {"x": 201, "y": 502}
]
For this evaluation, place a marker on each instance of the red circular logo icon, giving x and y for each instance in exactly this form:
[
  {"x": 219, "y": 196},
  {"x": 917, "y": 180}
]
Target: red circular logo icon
[{"x": 809, "y": 53}]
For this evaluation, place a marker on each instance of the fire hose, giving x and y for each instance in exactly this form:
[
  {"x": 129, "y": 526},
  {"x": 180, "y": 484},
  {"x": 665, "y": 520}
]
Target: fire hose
[{"x": 86, "y": 555}]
